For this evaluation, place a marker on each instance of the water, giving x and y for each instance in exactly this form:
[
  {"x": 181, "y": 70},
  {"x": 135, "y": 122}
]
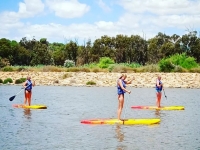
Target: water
[{"x": 59, "y": 127}]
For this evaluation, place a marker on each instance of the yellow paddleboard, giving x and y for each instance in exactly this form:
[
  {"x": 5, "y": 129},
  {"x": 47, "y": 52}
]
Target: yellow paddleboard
[
  {"x": 30, "y": 107},
  {"x": 123, "y": 121}
]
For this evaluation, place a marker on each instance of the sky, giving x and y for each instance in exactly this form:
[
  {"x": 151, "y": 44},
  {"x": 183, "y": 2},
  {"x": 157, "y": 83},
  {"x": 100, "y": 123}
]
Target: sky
[{"x": 80, "y": 20}]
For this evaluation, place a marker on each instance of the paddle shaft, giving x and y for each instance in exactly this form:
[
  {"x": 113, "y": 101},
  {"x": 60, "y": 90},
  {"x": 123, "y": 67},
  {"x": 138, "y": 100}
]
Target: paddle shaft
[{"x": 164, "y": 93}]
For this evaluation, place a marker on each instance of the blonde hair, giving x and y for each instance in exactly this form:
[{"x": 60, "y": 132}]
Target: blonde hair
[{"x": 122, "y": 75}]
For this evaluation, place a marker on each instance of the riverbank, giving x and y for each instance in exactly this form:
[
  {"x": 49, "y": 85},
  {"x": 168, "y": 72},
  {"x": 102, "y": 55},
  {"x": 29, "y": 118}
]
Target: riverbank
[{"x": 170, "y": 80}]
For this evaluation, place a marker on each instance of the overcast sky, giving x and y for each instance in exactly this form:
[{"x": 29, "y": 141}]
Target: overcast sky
[{"x": 62, "y": 20}]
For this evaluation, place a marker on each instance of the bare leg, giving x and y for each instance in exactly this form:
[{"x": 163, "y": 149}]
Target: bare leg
[
  {"x": 158, "y": 94},
  {"x": 120, "y": 106},
  {"x": 29, "y": 98},
  {"x": 25, "y": 98}
]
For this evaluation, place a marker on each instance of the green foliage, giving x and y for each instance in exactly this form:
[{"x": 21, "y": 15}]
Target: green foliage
[
  {"x": 105, "y": 62},
  {"x": 176, "y": 62},
  {"x": 1, "y": 81},
  {"x": 7, "y": 69},
  {"x": 8, "y": 80},
  {"x": 91, "y": 65},
  {"x": 69, "y": 63},
  {"x": 90, "y": 83},
  {"x": 4, "y": 62},
  {"x": 132, "y": 65},
  {"x": 148, "y": 68},
  {"x": 21, "y": 80}
]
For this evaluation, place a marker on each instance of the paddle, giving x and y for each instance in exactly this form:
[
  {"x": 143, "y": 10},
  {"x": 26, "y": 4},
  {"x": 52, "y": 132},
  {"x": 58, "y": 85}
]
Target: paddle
[
  {"x": 13, "y": 97},
  {"x": 164, "y": 93}
]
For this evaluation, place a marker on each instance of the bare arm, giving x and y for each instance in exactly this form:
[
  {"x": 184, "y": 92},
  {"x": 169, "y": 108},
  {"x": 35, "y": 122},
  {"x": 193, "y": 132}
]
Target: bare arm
[
  {"x": 33, "y": 84},
  {"x": 130, "y": 81}
]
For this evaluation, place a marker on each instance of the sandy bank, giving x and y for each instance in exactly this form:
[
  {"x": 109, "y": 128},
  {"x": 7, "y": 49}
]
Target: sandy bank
[{"x": 171, "y": 80}]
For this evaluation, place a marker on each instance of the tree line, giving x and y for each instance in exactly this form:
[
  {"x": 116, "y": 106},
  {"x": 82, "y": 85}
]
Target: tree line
[{"x": 121, "y": 49}]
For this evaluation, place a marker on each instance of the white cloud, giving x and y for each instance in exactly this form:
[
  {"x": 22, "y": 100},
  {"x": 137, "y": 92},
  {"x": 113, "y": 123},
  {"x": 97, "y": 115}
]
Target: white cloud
[
  {"x": 67, "y": 8},
  {"x": 162, "y": 7},
  {"x": 103, "y": 5},
  {"x": 30, "y": 8}
]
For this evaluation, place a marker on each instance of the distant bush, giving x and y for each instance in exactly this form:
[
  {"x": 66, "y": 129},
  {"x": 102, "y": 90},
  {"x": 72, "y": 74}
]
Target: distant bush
[
  {"x": 91, "y": 65},
  {"x": 132, "y": 65},
  {"x": 73, "y": 69},
  {"x": 148, "y": 68},
  {"x": 8, "y": 80},
  {"x": 195, "y": 70},
  {"x": 69, "y": 63},
  {"x": 105, "y": 62},
  {"x": 84, "y": 69},
  {"x": 19, "y": 81},
  {"x": 1, "y": 81},
  {"x": 90, "y": 83},
  {"x": 7, "y": 69},
  {"x": 170, "y": 64},
  {"x": 51, "y": 69},
  {"x": 4, "y": 62}
]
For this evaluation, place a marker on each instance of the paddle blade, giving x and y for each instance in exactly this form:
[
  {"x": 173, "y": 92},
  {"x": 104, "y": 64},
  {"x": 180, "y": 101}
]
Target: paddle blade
[{"x": 11, "y": 98}]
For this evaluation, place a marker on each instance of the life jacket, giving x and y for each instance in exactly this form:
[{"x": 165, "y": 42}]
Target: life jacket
[
  {"x": 119, "y": 89},
  {"x": 159, "y": 88},
  {"x": 29, "y": 84}
]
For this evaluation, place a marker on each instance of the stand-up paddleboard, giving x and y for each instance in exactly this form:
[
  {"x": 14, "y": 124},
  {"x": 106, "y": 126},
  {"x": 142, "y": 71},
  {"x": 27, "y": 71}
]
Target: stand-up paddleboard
[
  {"x": 159, "y": 108},
  {"x": 30, "y": 107},
  {"x": 123, "y": 121}
]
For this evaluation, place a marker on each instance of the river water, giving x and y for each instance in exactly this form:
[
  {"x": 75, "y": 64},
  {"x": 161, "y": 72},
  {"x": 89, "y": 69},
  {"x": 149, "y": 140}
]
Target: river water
[{"x": 58, "y": 127}]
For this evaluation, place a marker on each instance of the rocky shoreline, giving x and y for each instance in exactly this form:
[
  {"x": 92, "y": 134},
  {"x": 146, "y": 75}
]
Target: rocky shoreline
[{"x": 170, "y": 80}]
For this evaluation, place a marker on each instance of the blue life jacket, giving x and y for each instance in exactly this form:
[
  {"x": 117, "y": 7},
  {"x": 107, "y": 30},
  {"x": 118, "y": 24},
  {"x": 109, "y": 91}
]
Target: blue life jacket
[
  {"x": 29, "y": 84},
  {"x": 159, "y": 88},
  {"x": 119, "y": 89}
]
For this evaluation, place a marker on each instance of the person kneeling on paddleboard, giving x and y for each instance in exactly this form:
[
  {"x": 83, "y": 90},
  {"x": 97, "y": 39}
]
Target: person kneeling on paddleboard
[
  {"x": 159, "y": 88},
  {"x": 121, "y": 89},
  {"x": 28, "y": 90}
]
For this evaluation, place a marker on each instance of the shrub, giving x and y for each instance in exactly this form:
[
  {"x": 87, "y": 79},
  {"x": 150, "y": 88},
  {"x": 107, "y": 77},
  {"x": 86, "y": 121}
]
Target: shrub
[
  {"x": 170, "y": 64},
  {"x": 1, "y": 81},
  {"x": 83, "y": 69},
  {"x": 73, "y": 69},
  {"x": 147, "y": 68},
  {"x": 132, "y": 65},
  {"x": 8, "y": 80},
  {"x": 51, "y": 69},
  {"x": 7, "y": 69},
  {"x": 19, "y": 81},
  {"x": 4, "y": 62},
  {"x": 69, "y": 63},
  {"x": 105, "y": 62},
  {"x": 90, "y": 83}
]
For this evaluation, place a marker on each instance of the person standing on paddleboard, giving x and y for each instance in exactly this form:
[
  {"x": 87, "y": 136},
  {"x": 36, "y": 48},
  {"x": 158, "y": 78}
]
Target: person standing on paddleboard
[
  {"x": 121, "y": 89},
  {"x": 28, "y": 90},
  {"x": 159, "y": 88}
]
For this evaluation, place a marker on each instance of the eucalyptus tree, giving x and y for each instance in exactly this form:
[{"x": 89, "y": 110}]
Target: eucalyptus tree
[
  {"x": 154, "y": 47},
  {"x": 71, "y": 51},
  {"x": 137, "y": 49}
]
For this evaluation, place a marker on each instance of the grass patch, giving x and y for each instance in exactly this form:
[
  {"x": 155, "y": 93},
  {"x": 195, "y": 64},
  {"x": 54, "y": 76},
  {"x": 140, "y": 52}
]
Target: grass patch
[{"x": 90, "y": 83}]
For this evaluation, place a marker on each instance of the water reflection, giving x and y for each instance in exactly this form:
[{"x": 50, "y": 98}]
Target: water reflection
[
  {"x": 120, "y": 137},
  {"x": 119, "y": 133},
  {"x": 27, "y": 113},
  {"x": 157, "y": 113}
]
